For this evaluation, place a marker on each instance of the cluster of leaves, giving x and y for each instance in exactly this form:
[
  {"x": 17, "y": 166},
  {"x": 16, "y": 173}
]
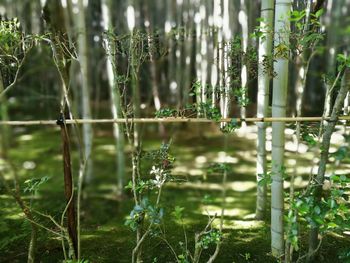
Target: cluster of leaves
[
  {"x": 165, "y": 113},
  {"x": 261, "y": 30},
  {"x": 343, "y": 151},
  {"x": 210, "y": 111},
  {"x": 282, "y": 50},
  {"x": 308, "y": 133},
  {"x": 160, "y": 158},
  {"x": 219, "y": 168},
  {"x": 11, "y": 46},
  {"x": 144, "y": 211},
  {"x": 344, "y": 255},
  {"x": 305, "y": 36},
  {"x": 238, "y": 57},
  {"x": 162, "y": 162},
  {"x": 178, "y": 213},
  {"x": 204, "y": 108},
  {"x": 197, "y": 89},
  {"x": 213, "y": 236},
  {"x": 292, "y": 223},
  {"x": 10, "y": 37},
  {"x": 207, "y": 199},
  {"x": 266, "y": 179},
  {"x": 241, "y": 96},
  {"x": 267, "y": 66},
  {"x": 332, "y": 213},
  {"x": 188, "y": 111},
  {"x": 160, "y": 172},
  {"x": 343, "y": 61},
  {"x": 139, "y": 44},
  {"x": 33, "y": 185}
]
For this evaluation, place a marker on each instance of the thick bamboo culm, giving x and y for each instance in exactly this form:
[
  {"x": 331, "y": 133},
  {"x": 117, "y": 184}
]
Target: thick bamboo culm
[{"x": 171, "y": 120}]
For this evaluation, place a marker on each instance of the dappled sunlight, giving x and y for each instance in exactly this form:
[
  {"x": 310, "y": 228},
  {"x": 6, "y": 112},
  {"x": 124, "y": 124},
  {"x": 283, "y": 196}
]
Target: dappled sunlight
[
  {"x": 29, "y": 165},
  {"x": 223, "y": 157},
  {"x": 237, "y": 186},
  {"x": 248, "y": 132},
  {"x": 13, "y": 213},
  {"x": 299, "y": 183},
  {"x": 25, "y": 137},
  {"x": 195, "y": 172},
  {"x": 200, "y": 161},
  {"x": 246, "y": 155},
  {"x": 2, "y": 164},
  {"x": 106, "y": 187},
  {"x": 57, "y": 157},
  {"x": 180, "y": 170},
  {"x": 108, "y": 148},
  {"x": 337, "y": 138},
  {"x": 233, "y": 224},
  {"x": 291, "y": 146},
  {"x": 229, "y": 212},
  {"x": 241, "y": 186},
  {"x": 248, "y": 170}
]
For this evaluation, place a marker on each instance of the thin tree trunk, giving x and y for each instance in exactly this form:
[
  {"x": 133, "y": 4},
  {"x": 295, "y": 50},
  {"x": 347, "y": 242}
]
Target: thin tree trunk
[
  {"x": 226, "y": 34},
  {"x": 328, "y": 131},
  {"x": 203, "y": 77},
  {"x": 179, "y": 53},
  {"x": 35, "y": 17},
  {"x": 198, "y": 82},
  {"x": 279, "y": 101},
  {"x": 265, "y": 52},
  {"x": 54, "y": 15},
  {"x": 216, "y": 67},
  {"x": 152, "y": 46},
  {"x": 114, "y": 91},
  {"x": 5, "y": 131},
  {"x": 69, "y": 188},
  {"x": 332, "y": 26},
  {"x": 187, "y": 53},
  {"x": 136, "y": 101},
  {"x": 243, "y": 20},
  {"x": 85, "y": 87},
  {"x": 170, "y": 33}
]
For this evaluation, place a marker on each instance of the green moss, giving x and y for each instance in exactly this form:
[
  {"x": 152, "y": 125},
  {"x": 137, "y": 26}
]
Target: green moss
[{"x": 105, "y": 238}]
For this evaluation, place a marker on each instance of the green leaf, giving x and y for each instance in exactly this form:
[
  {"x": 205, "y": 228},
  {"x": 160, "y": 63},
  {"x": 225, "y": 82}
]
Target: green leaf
[{"x": 319, "y": 13}]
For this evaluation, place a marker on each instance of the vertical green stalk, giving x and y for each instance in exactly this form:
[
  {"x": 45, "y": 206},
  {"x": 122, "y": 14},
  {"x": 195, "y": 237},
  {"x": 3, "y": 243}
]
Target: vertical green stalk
[
  {"x": 265, "y": 52},
  {"x": 279, "y": 101}
]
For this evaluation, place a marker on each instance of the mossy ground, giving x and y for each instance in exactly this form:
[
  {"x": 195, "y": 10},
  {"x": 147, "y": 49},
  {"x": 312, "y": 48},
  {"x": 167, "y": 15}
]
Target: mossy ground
[{"x": 105, "y": 238}]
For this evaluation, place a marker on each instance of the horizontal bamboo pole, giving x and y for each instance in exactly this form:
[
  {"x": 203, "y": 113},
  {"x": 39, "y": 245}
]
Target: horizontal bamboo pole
[{"x": 170, "y": 120}]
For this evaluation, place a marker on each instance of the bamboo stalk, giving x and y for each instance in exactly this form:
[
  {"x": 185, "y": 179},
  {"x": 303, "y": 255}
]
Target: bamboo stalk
[{"x": 171, "y": 120}]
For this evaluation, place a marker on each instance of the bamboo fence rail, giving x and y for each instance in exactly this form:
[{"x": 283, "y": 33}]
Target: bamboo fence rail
[{"x": 171, "y": 120}]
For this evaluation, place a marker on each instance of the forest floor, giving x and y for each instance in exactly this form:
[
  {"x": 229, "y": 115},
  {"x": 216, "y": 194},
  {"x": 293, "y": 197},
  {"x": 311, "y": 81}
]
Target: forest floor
[{"x": 105, "y": 238}]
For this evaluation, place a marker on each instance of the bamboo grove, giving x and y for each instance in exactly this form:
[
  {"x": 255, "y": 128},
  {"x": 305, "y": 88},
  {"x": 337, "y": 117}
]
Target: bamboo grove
[{"x": 279, "y": 70}]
